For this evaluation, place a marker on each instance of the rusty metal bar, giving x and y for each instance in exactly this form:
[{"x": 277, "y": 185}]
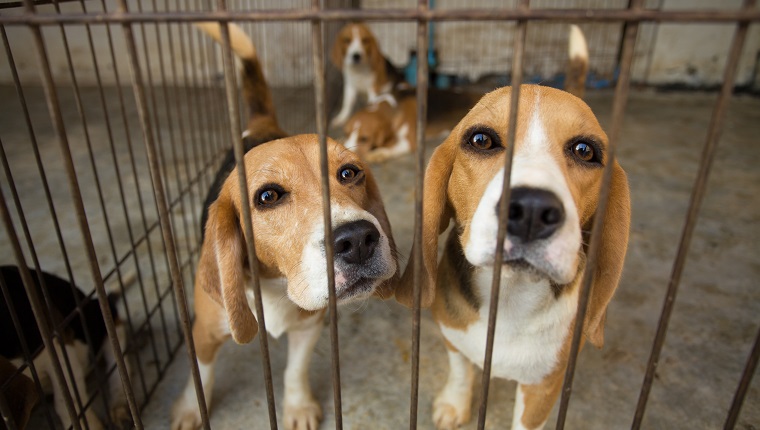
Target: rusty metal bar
[
  {"x": 233, "y": 108},
  {"x": 192, "y": 131},
  {"x": 57, "y": 119},
  {"x": 180, "y": 123},
  {"x": 122, "y": 195},
  {"x": 618, "y": 109},
  {"x": 506, "y": 192},
  {"x": 741, "y": 390},
  {"x": 697, "y": 194},
  {"x": 176, "y": 273},
  {"x": 585, "y": 15},
  {"x": 96, "y": 176},
  {"x": 320, "y": 94},
  {"x": 140, "y": 203},
  {"x": 422, "y": 90}
]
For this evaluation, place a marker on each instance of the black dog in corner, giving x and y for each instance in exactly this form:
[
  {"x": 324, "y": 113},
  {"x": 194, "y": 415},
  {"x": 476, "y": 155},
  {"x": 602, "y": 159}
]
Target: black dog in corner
[{"x": 63, "y": 299}]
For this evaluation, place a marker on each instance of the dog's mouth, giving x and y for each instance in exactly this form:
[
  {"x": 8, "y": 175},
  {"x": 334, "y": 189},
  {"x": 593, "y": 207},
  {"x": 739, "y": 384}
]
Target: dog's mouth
[{"x": 361, "y": 287}]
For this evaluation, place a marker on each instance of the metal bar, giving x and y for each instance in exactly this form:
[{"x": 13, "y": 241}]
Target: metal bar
[
  {"x": 422, "y": 89},
  {"x": 130, "y": 152},
  {"x": 697, "y": 194},
  {"x": 618, "y": 110},
  {"x": 741, "y": 390},
  {"x": 170, "y": 123},
  {"x": 57, "y": 119},
  {"x": 125, "y": 210},
  {"x": 237, "y": 144},
  {"x": 506, "y": 192},
  {"x": 318, "y": 59},
  {"x": 96, "y": 175},
  {"x": 161, "y": 157},
  {"x": 176, "y": 274},
  {"x": 120, "y": 185},
  {"x": 193, "y": 141},
  {"x": 585, "y": 15}
]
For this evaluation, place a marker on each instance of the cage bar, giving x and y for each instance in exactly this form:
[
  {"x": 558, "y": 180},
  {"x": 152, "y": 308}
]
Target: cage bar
[
  {"x": 421, "y": 94},
  {"x": 506, "y": 192},
  {"x": 233, "y": 108}
]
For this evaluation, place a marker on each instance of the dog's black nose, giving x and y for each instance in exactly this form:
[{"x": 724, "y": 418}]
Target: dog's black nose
[
  {"x": 356, "y": 57},
  {"x": 355, "y": 242},
  {"x": 533, "y": 214}
]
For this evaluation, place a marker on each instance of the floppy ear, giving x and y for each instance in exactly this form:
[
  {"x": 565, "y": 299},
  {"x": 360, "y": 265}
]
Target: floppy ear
[
  {"x": 221, "y": 272},
  {"x": 377, "y": 209},
  {"x": 617, "y": 221},
  {"x": 338, "y": 51},
  {"x": 436, "y": 214}
]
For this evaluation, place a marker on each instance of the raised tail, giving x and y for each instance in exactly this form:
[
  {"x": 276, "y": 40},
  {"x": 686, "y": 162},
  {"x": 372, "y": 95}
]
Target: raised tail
[
  {"x": 256, "y": 92},
  {"x": 577, "y": 66}
]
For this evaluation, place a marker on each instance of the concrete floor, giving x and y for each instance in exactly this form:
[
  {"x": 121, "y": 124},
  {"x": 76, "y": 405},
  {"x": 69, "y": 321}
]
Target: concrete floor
[{"x": 714, "y": 322}]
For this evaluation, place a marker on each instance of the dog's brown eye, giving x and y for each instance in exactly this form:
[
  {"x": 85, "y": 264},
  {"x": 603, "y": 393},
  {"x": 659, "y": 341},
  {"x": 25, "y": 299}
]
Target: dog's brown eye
[
  {"x": 481, "y": 141},
  {"x": 349, "y": 173},
  {"x": 268, "y": 197},
  {"x": 583, "y": 151}
]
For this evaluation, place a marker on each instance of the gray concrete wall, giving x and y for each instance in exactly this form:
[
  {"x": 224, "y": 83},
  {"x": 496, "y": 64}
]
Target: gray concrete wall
[{"x": 696, "y": 53}]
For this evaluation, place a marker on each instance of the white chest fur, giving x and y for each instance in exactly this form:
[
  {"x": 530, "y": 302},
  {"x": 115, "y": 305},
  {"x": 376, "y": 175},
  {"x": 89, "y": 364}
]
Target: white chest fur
[
  {"x": 531, "y": 327},
  {"x": 280, "y": 313},
  {"x": 362, "y": 79}
]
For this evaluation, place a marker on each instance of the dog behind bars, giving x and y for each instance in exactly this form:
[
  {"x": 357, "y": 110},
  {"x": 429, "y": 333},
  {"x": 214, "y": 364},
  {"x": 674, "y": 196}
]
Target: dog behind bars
[
  {"x": 76, "y": 340},
  {"x": 286, "y": 210}
]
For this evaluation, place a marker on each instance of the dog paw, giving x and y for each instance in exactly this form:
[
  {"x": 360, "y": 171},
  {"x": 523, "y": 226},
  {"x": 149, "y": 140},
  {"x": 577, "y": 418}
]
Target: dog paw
[
  {"x": 185, "y": 418},
  {"x": 448, "y": 417},
  {"x": 304, "y": 416}
]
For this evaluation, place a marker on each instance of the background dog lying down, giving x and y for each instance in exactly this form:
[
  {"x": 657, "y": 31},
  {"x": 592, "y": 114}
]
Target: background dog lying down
[
  {"x": 286, "y": 207},
  {"x": 385, "y": 129},
  {"x": 63, "y": 298}
]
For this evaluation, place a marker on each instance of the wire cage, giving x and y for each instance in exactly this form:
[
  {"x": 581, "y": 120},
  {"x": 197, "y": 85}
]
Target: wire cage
[{"x": 117, "y": 115}]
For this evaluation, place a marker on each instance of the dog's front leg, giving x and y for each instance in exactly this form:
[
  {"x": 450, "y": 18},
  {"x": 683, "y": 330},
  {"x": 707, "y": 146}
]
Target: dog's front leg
[
  {"x": 120, "y": 413},
  {"x": 451, "y": 408},
  {"x": 74, "y": 380},
  {"x": 302, "y": 412},
  {"x": 209, "y": 334},
  {"x": 349, "y": 99},
  {"x": 533, "y": 403}
]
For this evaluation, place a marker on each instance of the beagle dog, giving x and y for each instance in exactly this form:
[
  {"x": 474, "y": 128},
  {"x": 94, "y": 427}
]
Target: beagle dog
[
  {"x": 381, "y": 131},
  {"x": 559, "y": 154},
  {"x": 286, "y": 211},
  {"x": 74, "y": 340},
  {"x": 356, "y": 53}
]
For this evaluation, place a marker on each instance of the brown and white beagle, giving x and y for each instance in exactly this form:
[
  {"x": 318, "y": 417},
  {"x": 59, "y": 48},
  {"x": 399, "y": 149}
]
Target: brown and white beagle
[
  {"x": 286, "y": 209},
  {"x": 356, "y": 53},
  {"x": 559, "y": 155},
  {"x": 382, "y": 131}
]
